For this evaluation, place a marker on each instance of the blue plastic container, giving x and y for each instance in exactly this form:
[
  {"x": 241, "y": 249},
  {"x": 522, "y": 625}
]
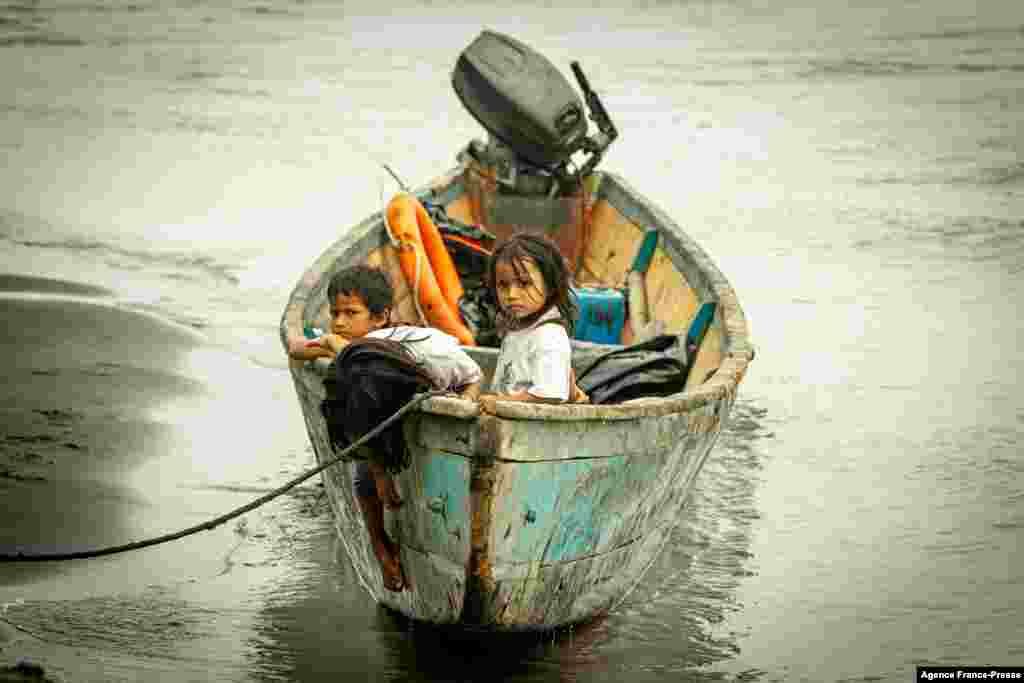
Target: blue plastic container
[{"x": 602, "y": 315}]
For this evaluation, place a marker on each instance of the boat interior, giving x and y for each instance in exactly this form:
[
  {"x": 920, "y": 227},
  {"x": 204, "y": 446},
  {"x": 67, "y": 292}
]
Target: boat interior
[{"x": 599, "y": 229}]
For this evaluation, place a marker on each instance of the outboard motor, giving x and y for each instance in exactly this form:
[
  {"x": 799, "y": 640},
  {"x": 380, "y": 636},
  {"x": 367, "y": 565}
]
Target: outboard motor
[{"x": 534, "y": 116}]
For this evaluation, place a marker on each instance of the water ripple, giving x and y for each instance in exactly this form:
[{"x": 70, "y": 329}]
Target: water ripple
[
  {"x": 130, "y": 259},
  {"x": 888, "y": 67},
  {"x": 959, "y": 34},
  {"x": 1005, "y": 174},
  {"x": 48, "y": 40},
  {"x": 707, "y": 556},
  {"x": 975, "y": 238},
  {"x": 138, "y": 626}
]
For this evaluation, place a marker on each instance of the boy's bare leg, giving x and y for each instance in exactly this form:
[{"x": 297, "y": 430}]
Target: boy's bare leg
[
  {"x": 386, "y": 489},
  {"x": 387, "y": 555}
]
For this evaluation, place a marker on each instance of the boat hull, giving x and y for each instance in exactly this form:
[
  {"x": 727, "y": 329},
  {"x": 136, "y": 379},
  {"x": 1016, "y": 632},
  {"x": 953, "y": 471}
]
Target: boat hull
[{"x": 541, "y": 515}]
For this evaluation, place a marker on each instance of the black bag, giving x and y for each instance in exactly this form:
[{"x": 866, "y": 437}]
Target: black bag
[
  {"x": 470, "y": 249},
  {"x": 645, "y": 369},
  {"x": 452, "y": 226}
]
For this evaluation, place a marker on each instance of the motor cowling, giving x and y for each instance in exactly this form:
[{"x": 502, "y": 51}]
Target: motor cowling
[
  {"x": 529, "y": 107},
  {"x": 520, "y": 98}
]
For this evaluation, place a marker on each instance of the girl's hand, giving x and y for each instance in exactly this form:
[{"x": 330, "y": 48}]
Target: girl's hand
[
  {"x": 487, "y": 403},
  {"x": 470, "y": 392},
  {"x": 576, "y": 395}
]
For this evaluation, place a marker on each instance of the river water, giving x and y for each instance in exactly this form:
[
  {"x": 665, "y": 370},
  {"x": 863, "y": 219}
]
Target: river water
[{"x": 855, "y": 169}]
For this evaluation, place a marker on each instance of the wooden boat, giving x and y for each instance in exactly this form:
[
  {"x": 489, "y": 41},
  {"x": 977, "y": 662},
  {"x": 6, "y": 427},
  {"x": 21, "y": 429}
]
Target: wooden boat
[{"x": 540, "y": 515}]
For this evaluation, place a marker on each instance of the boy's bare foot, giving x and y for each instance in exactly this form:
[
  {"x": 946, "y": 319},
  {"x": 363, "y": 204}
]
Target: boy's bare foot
[
  {"x": 390, "y": 567},
  {"x": 387, "y": 552},
  {"x": 391, "y": 572}
]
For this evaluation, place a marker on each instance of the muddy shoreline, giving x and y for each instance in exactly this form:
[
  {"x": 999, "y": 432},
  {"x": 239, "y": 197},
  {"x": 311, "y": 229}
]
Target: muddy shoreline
[{"x": 115, "y": 426}]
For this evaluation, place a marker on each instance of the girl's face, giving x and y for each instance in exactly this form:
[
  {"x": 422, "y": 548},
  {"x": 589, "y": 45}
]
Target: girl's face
[
  {"x": 520, "y": 287},
  {"x": 351, "y": 319}
]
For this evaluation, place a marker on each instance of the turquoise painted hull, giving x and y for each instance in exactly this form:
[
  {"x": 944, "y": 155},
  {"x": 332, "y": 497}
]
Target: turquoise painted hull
[{"x": 541, "y": 515}]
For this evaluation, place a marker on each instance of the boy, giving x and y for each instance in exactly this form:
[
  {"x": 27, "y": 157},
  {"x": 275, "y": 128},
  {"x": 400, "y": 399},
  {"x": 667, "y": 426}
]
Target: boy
[{"x": 361, "y": 300}]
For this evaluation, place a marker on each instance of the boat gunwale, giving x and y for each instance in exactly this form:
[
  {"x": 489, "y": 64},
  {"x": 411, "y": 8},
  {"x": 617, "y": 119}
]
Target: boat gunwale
[{"x": 737, "y": 351}]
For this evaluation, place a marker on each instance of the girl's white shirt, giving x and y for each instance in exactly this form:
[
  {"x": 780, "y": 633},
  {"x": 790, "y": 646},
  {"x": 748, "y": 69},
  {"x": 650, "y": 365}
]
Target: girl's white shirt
[
  {"x": 535, "y": 360},
  {"x": 438, "y": 352}
]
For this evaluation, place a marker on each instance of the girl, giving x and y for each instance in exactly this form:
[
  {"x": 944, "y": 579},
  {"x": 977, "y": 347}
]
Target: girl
[{"x": 536, "y": 313}]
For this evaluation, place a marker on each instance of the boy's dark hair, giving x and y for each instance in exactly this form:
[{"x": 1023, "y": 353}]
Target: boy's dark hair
[
  {"x": 553, "y": 270},
  {"x": 368, "y": 283}
]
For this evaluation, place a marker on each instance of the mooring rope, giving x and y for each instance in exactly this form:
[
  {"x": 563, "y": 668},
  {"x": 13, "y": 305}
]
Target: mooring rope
[{"x": 217, "y": 521}]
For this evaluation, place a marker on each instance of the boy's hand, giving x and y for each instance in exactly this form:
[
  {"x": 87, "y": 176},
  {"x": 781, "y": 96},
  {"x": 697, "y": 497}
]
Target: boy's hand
[
  {"x": 334, "y": 342},
  {"x": 326, "y": 346},
  {"x": 296, "y": 344},
  {"x": 302, "y": 349}
]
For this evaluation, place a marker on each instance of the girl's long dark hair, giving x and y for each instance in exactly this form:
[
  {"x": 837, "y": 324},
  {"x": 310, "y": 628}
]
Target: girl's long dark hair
[
  {"x": 553, "y": 269},
  {"x": 372, "y": 379}
]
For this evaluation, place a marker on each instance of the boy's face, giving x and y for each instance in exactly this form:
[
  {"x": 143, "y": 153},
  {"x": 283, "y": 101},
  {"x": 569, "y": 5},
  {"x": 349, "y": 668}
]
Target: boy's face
[{"x": 351, "y": 319}]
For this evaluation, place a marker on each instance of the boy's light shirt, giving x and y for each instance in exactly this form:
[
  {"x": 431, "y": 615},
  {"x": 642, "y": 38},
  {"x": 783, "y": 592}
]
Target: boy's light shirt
[
  {"x": 535, "y": 360},
  {"x": 438, "y": 352}
]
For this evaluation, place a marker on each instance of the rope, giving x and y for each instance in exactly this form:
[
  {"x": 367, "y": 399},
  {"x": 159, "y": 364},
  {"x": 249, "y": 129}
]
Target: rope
[
  {"x": 395, "y": 176},
  {"x": 217, "y": 521}
]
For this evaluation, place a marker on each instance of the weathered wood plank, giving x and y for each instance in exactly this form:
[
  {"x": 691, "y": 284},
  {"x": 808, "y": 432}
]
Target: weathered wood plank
[
  {"x": 437, "y": 590},
  {"x": 669, "y": 296},
  {"x": 538, "y": 595},
  {"x": 435, "y": 518},
  {"x": 611, "y": 246},
  {"x": 549, "y": 509},
  {"x": 529, "y": 441},
  {"x": 560, "y": 511},
  {"x": 403, "y": 309},
  {"x": 709, "y": 358},
  {"x": 444, "y": 433},
  {"x": 560, "y": 218}
]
